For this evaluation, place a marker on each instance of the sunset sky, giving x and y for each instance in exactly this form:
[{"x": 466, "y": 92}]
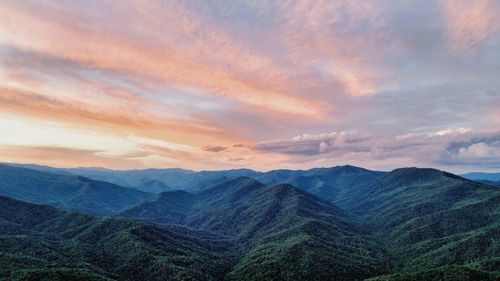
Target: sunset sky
[{"x": 210, "y": 85}]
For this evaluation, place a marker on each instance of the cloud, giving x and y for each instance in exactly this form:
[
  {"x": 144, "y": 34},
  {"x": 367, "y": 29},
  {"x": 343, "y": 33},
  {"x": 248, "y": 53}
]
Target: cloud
[
  {"x": 65, "y": 156},
  {"x": 214, "y": 148},
  {"x": 310, "y": 144},
  {"x": 480, "y": 150},
  {"x": 470, "y": 23},
  {"x": 178, "y": 66},
  {"x": 236, "y": 159},
  {"x": 109, "y": 121},
  {"x": 239, "y": 145},
  {"x": 393, "y": 79},
  {"x": 454, "y": 147}
]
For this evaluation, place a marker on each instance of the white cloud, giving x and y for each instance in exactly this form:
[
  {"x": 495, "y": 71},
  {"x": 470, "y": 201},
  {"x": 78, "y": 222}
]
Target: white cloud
[
  {"x": 446, "y": 147},
  {"x": 479, "y": 150}
]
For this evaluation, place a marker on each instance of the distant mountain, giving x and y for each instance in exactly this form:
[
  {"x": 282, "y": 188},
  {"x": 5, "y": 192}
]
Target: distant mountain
[
  {"x": 491, "y": 183},
  {"x": 482, "y": 176},
  {"x": 492, "y": 179},
  {"x": 170, "y": 178},
  {"x": 326, "y": 183},
  {"x": 174, "y": 179},
  {"x": 43, "y": 243},
  {"x": 41, "y": 168},
  {"x": 68, "y": 191},
  {"x": 153, "y": 186},
  {"x": 429, "y": 218},
  {"x": 284, "y": 233},
  {"x": 151, "y": 180}
]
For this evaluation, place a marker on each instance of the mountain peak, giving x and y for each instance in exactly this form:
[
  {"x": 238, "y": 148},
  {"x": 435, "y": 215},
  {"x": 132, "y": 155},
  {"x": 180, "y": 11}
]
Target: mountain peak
[
  {"x": 241, "y": 182},
  {"x": 421, "y": 174}
]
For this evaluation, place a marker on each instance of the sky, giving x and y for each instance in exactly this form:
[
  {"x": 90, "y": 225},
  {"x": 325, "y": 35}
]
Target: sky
[{"x": 209, "y": 85}]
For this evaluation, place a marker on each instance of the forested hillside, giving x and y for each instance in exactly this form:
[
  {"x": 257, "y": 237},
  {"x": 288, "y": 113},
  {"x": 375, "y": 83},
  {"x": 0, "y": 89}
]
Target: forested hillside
[
  {"x": 284, "y": 233},
  {"x": 43, "y": 243},
  {"x": 428, "y": 218}
]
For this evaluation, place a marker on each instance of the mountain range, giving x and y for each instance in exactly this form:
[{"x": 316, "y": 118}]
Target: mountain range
[{"x": 339, "y": 223}]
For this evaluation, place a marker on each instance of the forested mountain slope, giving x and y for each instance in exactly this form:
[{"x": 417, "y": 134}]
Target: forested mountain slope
[
  {"x": 284, "y": 233},
  {"x": 429, "y": 218},
  {"x": 43, "y": 243}
]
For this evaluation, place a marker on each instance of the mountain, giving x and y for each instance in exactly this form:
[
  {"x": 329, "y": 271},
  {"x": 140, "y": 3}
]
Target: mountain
[
  {"x": 166, "y": 208},
  {"x": 429, "y": 218},
  {"x": 150, "y": 180},
  {"x": 41, "y": 168},
  {"x": 339, "y": 223},
  {"x": 283, "y": 233},
  {"x": 326, "y": 183},
  {"x": 153, "y": 186},
  {"x": 491, "y": 183},
  {"x": 173, "y": 179},
  {"x": 68, "y": 191},
  {"x": 43, "y": 243},
  {"x": 482, "y": 176},
  {"x": 266, "y": 233},
  {"x": 170, "y": 178}
]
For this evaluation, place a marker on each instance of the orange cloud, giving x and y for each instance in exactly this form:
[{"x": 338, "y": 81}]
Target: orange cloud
[
  {"x": 65, "y": 157},
  {"x": 172, "y": 82},
  {"x": 68, "y": 40},
  {"x": 115, "y": 122}
]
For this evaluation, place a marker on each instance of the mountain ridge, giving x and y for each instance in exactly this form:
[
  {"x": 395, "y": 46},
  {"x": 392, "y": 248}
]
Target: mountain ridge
[
  {"x": 267, "y": 220},
  {"x": 70, "y": 191}
]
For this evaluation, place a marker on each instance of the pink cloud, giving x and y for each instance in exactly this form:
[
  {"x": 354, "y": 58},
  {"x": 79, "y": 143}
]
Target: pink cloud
[
  {"x": 179, "y": 67},
  {"x": 256, "y": 72},
  {"x": 470, "y": 23}
]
